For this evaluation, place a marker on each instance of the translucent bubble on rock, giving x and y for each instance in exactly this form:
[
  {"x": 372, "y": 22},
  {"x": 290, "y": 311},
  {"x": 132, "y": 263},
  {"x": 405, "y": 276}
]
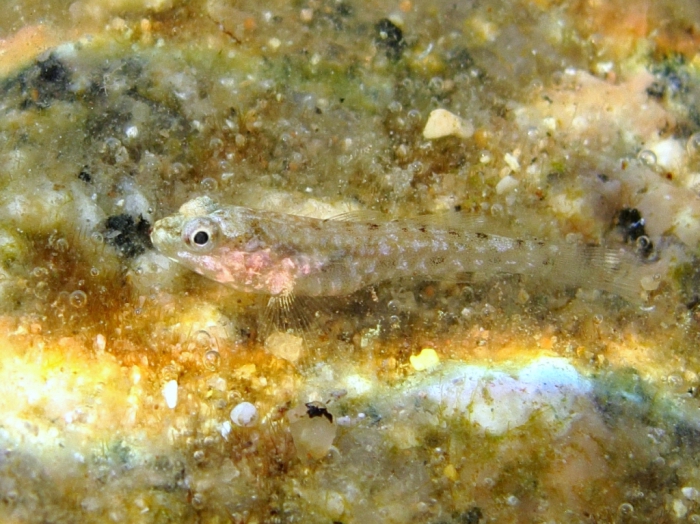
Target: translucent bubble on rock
[
  {"x": 209, "y": 184},
  {"x": 647, "y": 157},
  {"x": 212, "y": 359},
  {"x": 625, "y": 509},
  {"x": 78, "y": 299}
]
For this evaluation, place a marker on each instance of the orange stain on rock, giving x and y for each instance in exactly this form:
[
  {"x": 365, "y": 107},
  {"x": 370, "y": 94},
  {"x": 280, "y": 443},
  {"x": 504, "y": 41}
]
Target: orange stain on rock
[{"x": 25, "y": 45}]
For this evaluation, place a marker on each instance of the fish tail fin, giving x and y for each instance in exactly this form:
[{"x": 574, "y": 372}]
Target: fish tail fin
[{"x": 615, "y": 271}]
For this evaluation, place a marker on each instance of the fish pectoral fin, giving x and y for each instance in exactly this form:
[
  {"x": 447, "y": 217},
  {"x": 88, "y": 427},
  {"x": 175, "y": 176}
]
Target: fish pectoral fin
[{"x": 291, "y": 315}]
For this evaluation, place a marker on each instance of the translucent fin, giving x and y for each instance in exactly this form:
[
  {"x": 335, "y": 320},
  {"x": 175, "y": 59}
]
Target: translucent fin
[
  {"x": 362, "y": 215},
  {"x": 615, "y": 271},
  {"x": 290, "y": 314},
  {"x": 463, "y": 222}
]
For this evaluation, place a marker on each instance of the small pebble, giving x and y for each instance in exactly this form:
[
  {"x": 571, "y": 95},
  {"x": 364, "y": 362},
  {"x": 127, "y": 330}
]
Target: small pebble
[
  {"x": 313, "y": 430},
  {"x": 285, "y": 345},
  {"x": 690, "y": 493},
  {"x": 442, "y": 123},
  {"x": 170, "y": 393},
  {"x": 244, "y": 415},
  {"x": 506, "y": 184}
]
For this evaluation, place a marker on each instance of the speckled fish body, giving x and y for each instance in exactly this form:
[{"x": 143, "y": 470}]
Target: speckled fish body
[{"x": 280, "y": 254}]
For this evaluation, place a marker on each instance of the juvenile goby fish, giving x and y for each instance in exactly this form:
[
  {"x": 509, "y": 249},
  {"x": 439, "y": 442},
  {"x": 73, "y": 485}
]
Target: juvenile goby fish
[{"x": 257, "y": 251}]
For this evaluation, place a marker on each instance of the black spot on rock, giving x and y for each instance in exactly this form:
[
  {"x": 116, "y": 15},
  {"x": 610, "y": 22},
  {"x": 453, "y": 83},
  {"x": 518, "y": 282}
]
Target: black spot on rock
[
  {"x": 344, "y": 9},
  {"x": 85, "y": 176},
  {"x": 657, "y": 89},
  {"x": 44, "y": 82},
  {"x": 390, "y": 37},
  {"x": 471, "y": 516},
  {"x": 461, "y": 59},
  {"x": 129, "y": 236},
  {"x": 315, "y": 409}
]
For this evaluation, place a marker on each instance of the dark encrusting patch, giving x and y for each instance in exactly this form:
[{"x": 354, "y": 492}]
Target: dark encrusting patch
[
  {"x": 471, "y": 516},
  {"x": 460, "y": 59},
  {"x": 44, "y": 82},
  {"x": 85, "y": 175},
  {"x": 129, "y": 236},
  {"x": 630, "y": 223},
  {"x": 390, "y": 37}
]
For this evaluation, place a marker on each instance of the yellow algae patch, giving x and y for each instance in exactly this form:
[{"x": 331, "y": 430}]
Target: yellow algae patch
[
  {"x": 426, "y": 359},
  {"x": 450, "y": 472}
]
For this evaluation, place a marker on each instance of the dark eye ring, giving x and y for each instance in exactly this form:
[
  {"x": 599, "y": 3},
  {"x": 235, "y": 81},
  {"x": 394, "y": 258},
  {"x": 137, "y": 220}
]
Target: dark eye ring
[{"x": 200, "y": 234}]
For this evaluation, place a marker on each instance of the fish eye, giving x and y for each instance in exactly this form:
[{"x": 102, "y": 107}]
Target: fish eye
[{"x": 200, "y": 234}]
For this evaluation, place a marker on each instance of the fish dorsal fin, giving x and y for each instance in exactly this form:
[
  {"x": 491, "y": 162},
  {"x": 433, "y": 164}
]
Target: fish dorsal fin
[
  {"x": 470, "y": 222},
  {"x": 361, "y": 215},
  {"x": 448, "y": 219}
]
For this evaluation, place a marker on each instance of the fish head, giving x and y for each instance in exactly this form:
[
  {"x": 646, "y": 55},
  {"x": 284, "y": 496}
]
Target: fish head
[{"x": 220, "y": 243}]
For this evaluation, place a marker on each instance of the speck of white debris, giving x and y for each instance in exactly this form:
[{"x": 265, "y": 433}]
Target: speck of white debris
[
  {"x": 274, "y": 43},
  {"x": 506, "y": 184},
  {"x": 225, "y": 429},
  {"x": 686, "y": 225},
  {"x": 334, "y": 504},
  {"x": 549, "y": 123},
  {"x": 442, "y": 123},
  {"x": 690, "y": 493},
  {"x": 426, "y": 359},
  {"x": 285, "y": 345},
  {"x": 170, "y": 393},
  {"x": 669, "y": 153},
  {"x": 679, "y": 509},
  {"x": 306, "y": 15},
  {"x": 356, "y": 385},
  {"x": 132, "y": 132},
  {"x": 512, "y": 500},
  {"x": 650, "y": 282},
  {"x": 512, "y": 161},
  {"x": 603, "y": 68},
  {"x": 100, "y": 342},
  {"x": 244, "y": 415}
]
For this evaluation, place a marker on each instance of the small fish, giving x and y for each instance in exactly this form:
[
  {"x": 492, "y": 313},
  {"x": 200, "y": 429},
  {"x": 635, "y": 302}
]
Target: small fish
[{"x": 284, "y": 255}]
